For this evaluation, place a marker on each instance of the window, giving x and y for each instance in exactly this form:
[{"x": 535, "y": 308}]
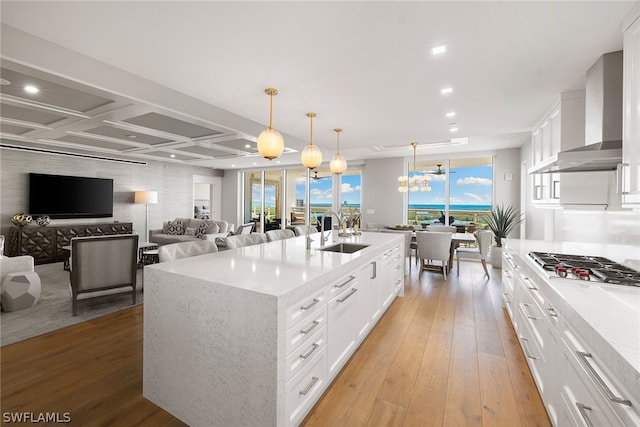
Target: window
[{"x": 461, "y": 191}]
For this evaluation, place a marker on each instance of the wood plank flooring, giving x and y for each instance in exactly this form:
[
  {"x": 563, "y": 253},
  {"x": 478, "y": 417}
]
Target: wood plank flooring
[{"x": 444, "y": 355}]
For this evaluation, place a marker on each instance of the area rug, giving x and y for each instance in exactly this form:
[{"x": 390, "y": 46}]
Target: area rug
[{"x": 53, "y": 311}]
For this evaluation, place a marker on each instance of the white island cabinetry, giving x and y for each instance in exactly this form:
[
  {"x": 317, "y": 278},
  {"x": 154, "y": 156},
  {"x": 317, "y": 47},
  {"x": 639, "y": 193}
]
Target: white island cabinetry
[{"x": 254, "y": 336}]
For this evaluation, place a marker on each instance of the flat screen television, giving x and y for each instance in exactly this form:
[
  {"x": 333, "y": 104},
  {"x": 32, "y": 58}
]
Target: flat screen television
[{"x": 60, "y": 196}]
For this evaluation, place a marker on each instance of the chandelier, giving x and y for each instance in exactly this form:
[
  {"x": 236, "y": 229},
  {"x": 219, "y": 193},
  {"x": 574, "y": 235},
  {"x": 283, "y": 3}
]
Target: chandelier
[{"x": 416, "y": 182}]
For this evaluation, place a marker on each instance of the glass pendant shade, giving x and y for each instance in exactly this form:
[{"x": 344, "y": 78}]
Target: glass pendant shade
[
  {"x": 338, "y": 165},
  {"x": 270, "y": 142},
  {"x": 311, "y": 156}
]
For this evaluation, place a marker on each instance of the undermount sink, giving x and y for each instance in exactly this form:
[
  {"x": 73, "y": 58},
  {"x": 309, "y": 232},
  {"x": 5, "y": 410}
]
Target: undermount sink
[{"x": 344, "y": 248}]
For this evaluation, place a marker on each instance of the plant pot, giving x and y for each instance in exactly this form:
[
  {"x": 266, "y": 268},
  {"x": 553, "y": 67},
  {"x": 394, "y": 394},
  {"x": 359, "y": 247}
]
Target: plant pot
[{"x": 495, "y": 257}]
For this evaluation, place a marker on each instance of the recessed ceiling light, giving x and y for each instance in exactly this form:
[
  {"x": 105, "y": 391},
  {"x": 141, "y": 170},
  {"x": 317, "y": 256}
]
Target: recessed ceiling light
[
  {"x": 278, "y": 162},
  {"x": 446, "y": 90},
  {"x": 247, "y": 146},
  {"x": 453, "y": 127},
  {"x": 451, "y": 114},
  {"x": 233, "y": 166},
  {"x": 132, "y": 136},
  {"x": 438, "y": 50},
  {"x": 254, "y": 163},
  {"x": 31, "y": 89},
  {"x": 173, "y": 156}
]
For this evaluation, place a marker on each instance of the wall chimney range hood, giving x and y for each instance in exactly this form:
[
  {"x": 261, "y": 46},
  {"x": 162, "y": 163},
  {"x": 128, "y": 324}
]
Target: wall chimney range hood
[
  {"x": 601, "y": 156},
  {"x": 603, "y": 123}
]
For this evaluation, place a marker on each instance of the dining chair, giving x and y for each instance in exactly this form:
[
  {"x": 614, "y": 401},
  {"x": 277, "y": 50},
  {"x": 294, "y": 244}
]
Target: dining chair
[
  {"x": 241, "y": 240},
  {"x": 175, "y": 251},
  {"x": 303, "y": 230},
  {"x": 273, "y": 235},
  {"x": 484, "y": 241},
  {"x": 442, "y": 228},
  {"x": 246, "y": 228},
  {"x": 434, "y": 246}
]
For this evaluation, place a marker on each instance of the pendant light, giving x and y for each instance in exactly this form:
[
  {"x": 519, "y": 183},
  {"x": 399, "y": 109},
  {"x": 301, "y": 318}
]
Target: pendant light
[
  {"x": 338, "y": 164},
  {"x": 270, "y": 142},
  {"x": 311, "y": 156},
  {"x": 415, "y": 183}
]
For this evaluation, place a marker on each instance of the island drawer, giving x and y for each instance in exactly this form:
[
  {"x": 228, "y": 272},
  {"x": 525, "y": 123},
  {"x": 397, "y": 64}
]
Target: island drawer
[
  {"x": 339, "y": 286},
  {"x": 304, "y": 388},
  {"x": 302, "y": 331},
  {"x": 305, "y": 307},
  {"x": 302, "y": 355}
]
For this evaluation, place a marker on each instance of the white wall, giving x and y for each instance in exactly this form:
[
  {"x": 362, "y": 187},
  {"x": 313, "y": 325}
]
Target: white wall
[
  {"x": 173, "y": 182},
  {"x": 231, "y": 191},
  {"x": 381, "y": 201}
]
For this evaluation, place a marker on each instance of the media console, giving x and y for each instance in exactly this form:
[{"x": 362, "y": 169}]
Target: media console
[{"x": 45, "y": 244}]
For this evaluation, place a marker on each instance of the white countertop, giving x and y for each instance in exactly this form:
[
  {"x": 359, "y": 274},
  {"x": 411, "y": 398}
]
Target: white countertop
[
  {"x": 275, "y": 268},
  {"x": 612, "y": 312}
]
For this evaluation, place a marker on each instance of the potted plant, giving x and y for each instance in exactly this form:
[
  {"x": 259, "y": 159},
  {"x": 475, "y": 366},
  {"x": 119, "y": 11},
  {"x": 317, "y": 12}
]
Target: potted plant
[{"x": 501, "y": 221}]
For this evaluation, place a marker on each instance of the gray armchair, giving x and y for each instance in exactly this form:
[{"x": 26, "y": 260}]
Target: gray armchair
[{"x": 103, "y": 263}]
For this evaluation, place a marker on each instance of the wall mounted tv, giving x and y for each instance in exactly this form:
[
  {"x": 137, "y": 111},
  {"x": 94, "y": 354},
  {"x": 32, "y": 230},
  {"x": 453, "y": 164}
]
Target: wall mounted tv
[{"x": 61, "y": 196}]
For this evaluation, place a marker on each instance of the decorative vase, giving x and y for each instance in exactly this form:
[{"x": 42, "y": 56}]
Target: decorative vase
[
  {"x": 42, "y": 220},
  {"x": 495, "y": 256},
  {"x": 21, "y": 219}
]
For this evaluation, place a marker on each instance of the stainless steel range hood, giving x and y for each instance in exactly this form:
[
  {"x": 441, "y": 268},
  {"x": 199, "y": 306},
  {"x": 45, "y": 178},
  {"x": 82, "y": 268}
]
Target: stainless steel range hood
[
  {"x": 601, "y": 156},
  {"x": 603, "y": 123}
]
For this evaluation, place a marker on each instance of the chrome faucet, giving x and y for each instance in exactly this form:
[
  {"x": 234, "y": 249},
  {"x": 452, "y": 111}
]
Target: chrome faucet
[{"x": 322, "y": 238}]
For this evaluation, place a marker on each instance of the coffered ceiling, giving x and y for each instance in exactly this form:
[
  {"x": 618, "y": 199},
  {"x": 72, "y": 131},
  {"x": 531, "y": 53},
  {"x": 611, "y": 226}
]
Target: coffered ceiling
[{"x": 184, "y": 81}]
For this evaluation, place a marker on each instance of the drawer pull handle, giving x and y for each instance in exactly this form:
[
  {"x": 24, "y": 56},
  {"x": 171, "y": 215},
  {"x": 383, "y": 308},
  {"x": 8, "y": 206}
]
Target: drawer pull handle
[
  {"x": 342, "y": 285},
  {"x": 582, "y": 356},
  {"x": 398, "y": 268},
  {"x": 398, "y": 281},
  {"x": 308, "y": 388},
  {"x": 508, "y": 274},
  {"x": 552, "y": 312},
  {"x": 375, "y": 269},
  {"x": 526, "y": 312},
  {"x": 533, "y": 286},
  {"x": 525, "y": 345},
  {"x": 310, "y": 328},
  {"x": 346, "y": 297},
  {"x": 583, "y": 411},
  {"x": 310, "y": 352},
  {"x": 307, "y": 307}
]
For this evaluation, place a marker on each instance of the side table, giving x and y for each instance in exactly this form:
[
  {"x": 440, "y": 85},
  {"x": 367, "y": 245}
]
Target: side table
[{"x": 147, "y": 253}]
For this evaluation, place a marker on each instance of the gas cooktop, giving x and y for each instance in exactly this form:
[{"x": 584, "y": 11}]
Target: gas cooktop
[{"x": 586, "y": 267}]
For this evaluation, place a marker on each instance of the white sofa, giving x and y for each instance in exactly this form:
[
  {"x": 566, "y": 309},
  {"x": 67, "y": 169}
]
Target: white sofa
[{"x": 216, "y": 228}]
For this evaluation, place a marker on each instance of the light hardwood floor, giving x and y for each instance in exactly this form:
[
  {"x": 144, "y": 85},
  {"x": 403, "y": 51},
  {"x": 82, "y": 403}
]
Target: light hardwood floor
[{"x": 444, "y": 355}]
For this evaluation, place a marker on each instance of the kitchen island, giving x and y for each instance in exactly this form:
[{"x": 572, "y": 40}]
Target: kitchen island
[
  {"x": 581, "y": 338},
  {"x": 253, "y": 336}
]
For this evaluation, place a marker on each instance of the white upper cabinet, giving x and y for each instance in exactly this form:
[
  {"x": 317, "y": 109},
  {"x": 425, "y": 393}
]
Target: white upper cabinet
[
  {"x": 563, "y": 128},
  {"x": 630, "y": 169}
]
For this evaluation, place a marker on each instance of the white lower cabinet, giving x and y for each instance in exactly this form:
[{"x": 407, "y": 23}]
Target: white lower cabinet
[
  {"x": 573, "y": 383},
  {"x": 342, "y": 319},
  {"x": 387, "y": 284}
]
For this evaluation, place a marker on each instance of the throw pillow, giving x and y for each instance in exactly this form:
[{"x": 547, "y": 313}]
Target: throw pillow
[
  {"x": 202, "y": 230},
  {"x": 175, "y": 228},
  {"x": 191, "y": 231}
]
